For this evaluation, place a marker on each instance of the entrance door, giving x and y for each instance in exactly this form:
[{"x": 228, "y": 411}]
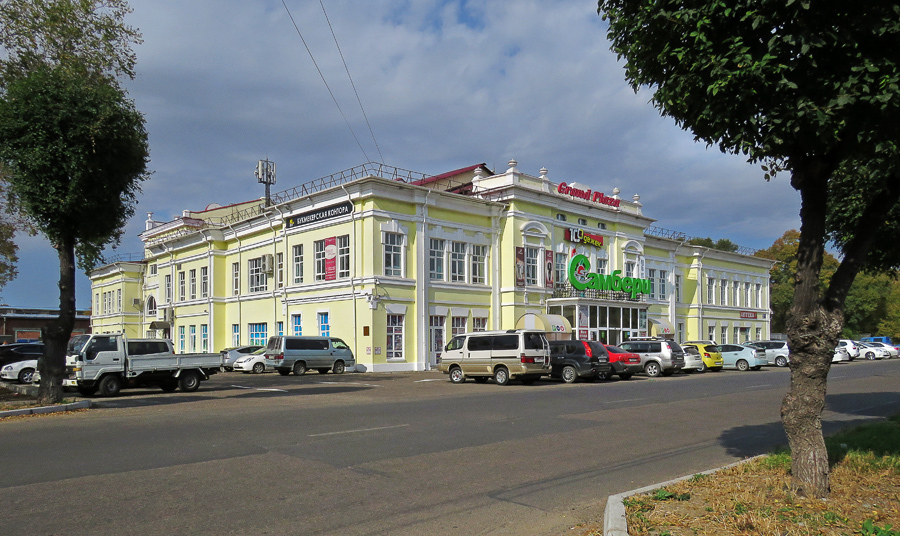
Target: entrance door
[{"x": 436, "y": 339}]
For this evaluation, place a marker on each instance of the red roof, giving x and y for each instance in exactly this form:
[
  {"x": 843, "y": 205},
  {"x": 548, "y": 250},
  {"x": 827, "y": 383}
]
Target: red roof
[{"x": 449, "y": 174}]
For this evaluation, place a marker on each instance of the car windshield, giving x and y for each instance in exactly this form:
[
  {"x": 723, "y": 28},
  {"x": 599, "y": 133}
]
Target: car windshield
[
  {"x": 615, "y": 349},
  {"x": 76, "y": 344},
  {"x": 674, "y": 346},
  {"x": 260, "y": 351}
]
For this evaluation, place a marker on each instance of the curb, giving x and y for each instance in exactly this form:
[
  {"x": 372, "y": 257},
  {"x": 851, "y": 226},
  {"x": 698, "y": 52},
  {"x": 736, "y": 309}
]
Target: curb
[
  {"x": 614, "y": 522},
  {"x": 83, "y": 404}
]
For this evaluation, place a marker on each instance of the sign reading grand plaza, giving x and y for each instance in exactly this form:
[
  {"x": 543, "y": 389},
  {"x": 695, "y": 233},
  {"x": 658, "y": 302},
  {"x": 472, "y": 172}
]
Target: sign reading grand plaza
[{"x": 394, "y": 263}]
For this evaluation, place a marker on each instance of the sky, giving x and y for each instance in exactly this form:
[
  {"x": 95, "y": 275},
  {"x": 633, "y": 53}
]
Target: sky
[{"x": 443, "y": 85}]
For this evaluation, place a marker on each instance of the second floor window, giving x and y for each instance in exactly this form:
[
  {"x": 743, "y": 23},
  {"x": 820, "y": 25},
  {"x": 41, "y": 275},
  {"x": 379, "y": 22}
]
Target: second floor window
[
  {"x": 298, "y": 264},
  {"x": 531, "y": 266},
  {"x": 436, "y": 259},
  {"x": 193, "y": 284},
  {"x": 181, "y": 284},
  {"x": 204, "y": 282},
  {"x": 256, "y": 278},
  {"x": 479, "y": 265},
  {"x": 393, "y": 254},
  {"x": 168, "y": 289},
  {"x": 235, "y": 279},
  {"x": 458, "y": 262}
]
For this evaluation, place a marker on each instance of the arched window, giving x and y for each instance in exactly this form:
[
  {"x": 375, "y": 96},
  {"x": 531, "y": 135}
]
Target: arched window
[{"x": 151, "y": 306}]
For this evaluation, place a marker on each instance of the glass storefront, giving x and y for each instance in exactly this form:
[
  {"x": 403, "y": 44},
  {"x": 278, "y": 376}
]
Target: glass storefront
[{"x": 607, "y": 323}]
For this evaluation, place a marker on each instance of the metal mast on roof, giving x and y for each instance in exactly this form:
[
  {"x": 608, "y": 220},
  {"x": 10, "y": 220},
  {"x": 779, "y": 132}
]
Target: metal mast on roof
[{"x": 265, "y": 173}]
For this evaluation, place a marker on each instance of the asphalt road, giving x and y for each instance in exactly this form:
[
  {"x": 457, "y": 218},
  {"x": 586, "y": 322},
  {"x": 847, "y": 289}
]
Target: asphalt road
[{"x": 398, "y": 454}]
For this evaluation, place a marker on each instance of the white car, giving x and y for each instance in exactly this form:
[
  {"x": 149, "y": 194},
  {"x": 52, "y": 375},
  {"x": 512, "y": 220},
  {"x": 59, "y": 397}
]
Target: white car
[
  {"x": 870, "y": 352},
  {"x": 255, "y": 362},
  {"x": 20, "y": 371},
  {"x": 840, "y": 354},
  {"x": 891, "y": 351},
  {"x": 851, "y": 346}
]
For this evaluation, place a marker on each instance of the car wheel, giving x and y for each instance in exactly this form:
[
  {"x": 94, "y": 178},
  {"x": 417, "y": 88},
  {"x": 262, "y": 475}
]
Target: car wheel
[
  {"x": 169, "y": 385},
  {"x": 25, "y": 375},
  {"x": 283, "y": 372},
  {"x": 652, "y": 369},
  {"x": 258, "y": 368},
  {"x": 480, "y": 379},
  {"x": 456, "y": 375},
  {"x": 338, "y": 367},
  {"x": 299, "y": 368},
  {"x": 110, "y": 385},
  {"x": 702, "y": 367},
  {"x": 569, "y": 374},
  {"x": 781, "y": 361},
  {"x": 870, "y": 356},
  {"x": 189, "y": 381},
  {"x": 742, "y": 365},
  {"x": 501, "y": 376},
  {"x": 625, "y": 376}
]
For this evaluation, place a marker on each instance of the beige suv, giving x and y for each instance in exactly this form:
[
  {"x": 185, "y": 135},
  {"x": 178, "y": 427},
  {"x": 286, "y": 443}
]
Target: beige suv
[{"x": 503, "y": 355}]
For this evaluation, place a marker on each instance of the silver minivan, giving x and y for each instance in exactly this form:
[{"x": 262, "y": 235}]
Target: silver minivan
[
  {"x": 658, "y": 356},
  {"x": 503, "y": 355},
  {"x": 288, "y": 354}
]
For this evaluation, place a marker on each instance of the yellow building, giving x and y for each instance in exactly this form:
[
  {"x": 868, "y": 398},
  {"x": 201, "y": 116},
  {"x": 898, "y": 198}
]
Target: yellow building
[{"x": 395, "y": 263}]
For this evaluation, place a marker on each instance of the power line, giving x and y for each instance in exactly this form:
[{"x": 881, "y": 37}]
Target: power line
[
  {"x": 351, "y": 83},
  {"x": 322, "y": 76}
]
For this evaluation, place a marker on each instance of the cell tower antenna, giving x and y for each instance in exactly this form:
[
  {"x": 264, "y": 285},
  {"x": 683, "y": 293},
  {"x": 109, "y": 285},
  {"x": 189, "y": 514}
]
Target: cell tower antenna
[{"x": 265, "y": 174}]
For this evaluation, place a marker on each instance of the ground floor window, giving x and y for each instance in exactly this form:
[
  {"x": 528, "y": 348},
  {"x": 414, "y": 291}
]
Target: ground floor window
[
  {"x": 193, "y": 339},
  {"x": 324, "y": 326},
  {"x": 712, "y": 332},
  {"x": 295, "y": 324},
  {"x": 204, "y": 338},
  {"x": 724, "y": 335},
  {"x": 457, "y": 325},
  {"x": 609, "y": 324},
  {"x": 479, "y": 324},
  {"x": 436, "y": 338},
  {"x": 279, "y": 328},
  {"x": 258, "y": 334},
  {"x": 181, "y": 339},
  {"x": 394, "y": 337},
  {"x": 235, "y": 334}
]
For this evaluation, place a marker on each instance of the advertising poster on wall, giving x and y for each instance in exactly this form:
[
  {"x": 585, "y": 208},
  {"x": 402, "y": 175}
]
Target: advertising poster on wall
[
  {"x": 548, "y": 268},
  {"x": 330, "y": 259},
  {"x": 520, "y": 267}
]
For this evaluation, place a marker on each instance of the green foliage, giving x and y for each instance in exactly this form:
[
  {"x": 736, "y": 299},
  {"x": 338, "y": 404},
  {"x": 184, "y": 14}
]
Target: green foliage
[
  {"x": 663, "y": 494},
  {"x": 722, "y": 244},
  {"x": 75, "y": 149},
  {"x": 869, "y": 528}
]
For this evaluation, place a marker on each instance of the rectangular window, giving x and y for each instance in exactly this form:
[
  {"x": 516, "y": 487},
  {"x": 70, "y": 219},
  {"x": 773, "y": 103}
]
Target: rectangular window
[
  {"x": 256, "y": 278},
  {"x": 204, "y": 282},
  {"x": 758, "y": 333},
  {"x": 436, "y": 332},
  {"x": 296, "y": 326},
  {"x": 319, "y": 259},
  {"x": 235, "y": 279},
  {"x": 279, "y": 270},
  {"x": 279, "y": 329},
  {"x": 152, "y": 269},
  {"x": 651, "y": 275},
  {"x": 235, "y": 335},
  {"x": 759, "y": 300},
  {"x": 394, "y": 345},
  {"x": 678, "y": 290},
  {"x": 479, "y": 265},
  {"x": 436, "y": 259},
  {"x": 258, "y": 334},
  {"x": 458, "y": 262},
  {"x": 712, "y": 332},
  {"x": 192, "y": 341},
  {"x": 204, "y": 338},
  {"x": 723, "y": 292},
  {"x": 479, "y": 324},
  {"x": 630, "y": 269},
  {"x": 680, "y": 330},
  {"x": 735, "y": 293},
  {"x": 662, "y": 291},
  {"x": 710, "y": 291},
  {"x": 457, "y": 325},
  {"x": 724, "y": 335},
  {"x": 324, "y": 326},
  {"x": 560, "y": 268},
  {"x": 531, "y": 266},
  {"x": 737, "y": 335},
  {"x": 298, "y": 264},
  {"x": 119, "y": 300},
  {"x": 193, "y": 283},
  {"x": 181, "y": 339},
  {"x": 393, "y": 254},
  {"x": 181, "y": 286},
  {"x": 343, "y": 253},
  {"x": 601, "y": 265}
]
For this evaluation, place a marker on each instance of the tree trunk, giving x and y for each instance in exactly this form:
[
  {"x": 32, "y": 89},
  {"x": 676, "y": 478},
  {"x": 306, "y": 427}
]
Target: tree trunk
[{"x": 56, "y": 334}]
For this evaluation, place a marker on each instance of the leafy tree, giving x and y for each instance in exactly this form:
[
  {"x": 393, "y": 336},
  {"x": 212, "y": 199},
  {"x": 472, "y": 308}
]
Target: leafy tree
[
  {"x": 72, "y": 146},
  {"x": 722, "y": 244},
  {"x": 811, "y": 89}
]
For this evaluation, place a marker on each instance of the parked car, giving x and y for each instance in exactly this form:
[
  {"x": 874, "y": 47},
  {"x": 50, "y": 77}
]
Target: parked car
[
  {"x": 709, "y": 354},
  {"x": 20, "y": 371},
  {"x": 624, "y": 364},
  {"x": 255, "y": 362},
  {"x": 776, "y": 352},
  {"x": 741, "y": 357},
  {"x": 840, "y": 355},
  {"x": 871, "y": 352},
  {"x": 693, "y": 361},
  {"x": 230, "y": 355},
  {"x": 21, "y": 351},
  {"x": 658, "y": 356},
  {"x": 891, "y": 351},
  {"x": 288, "y": 354},
  {"x": 575, "y": 359},
  {"x": 503, "y": 355},
  {"x": 851, "y": 347},
  {"x": 878, "y": 338}
]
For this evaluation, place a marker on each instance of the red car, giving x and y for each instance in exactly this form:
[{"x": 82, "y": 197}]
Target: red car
[{"x": 625, "y": 364}]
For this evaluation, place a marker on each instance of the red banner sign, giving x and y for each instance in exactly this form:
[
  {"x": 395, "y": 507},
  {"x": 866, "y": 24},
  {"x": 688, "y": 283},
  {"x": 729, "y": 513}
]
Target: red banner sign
[
  {"x": 748, "y": 314},
  {"x": 330, "y": 259}
]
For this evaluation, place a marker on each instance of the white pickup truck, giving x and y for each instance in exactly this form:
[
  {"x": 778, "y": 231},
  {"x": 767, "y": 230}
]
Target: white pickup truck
[{"x": 109, "y": 363}]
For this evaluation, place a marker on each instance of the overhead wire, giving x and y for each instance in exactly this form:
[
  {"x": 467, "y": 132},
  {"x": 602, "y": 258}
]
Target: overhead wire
[
  {"x": 322, "y": 76},
  {"x": 351, "y": 83}
]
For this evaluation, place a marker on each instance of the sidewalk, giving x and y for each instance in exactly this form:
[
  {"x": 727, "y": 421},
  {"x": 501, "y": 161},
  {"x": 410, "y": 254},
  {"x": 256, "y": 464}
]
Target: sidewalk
[{"x": 32, "y": 390}]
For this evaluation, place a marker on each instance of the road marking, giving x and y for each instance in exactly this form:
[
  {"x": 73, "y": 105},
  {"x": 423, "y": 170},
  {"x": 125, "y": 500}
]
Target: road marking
[
  {"x": 432, "y": 380},
  {"x": 759, "y": 386},
  {"x": 351, "y": 383},
  {"x": 620, "y": 401},
  {"x": 358, "y": 431},
  {"x": 258, "y": 389}
]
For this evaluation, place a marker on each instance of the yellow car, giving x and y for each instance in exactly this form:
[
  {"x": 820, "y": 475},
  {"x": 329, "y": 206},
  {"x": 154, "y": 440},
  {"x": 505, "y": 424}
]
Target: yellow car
[{"x": 709, "y": 352}]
